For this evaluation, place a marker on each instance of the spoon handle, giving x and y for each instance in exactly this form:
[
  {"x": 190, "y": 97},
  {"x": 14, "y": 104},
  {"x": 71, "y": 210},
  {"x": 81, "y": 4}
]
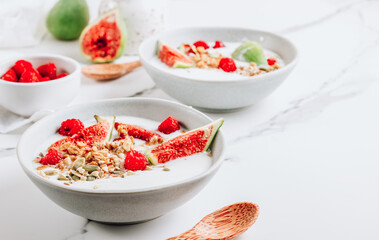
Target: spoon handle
[{"x": 130, "y": 66}]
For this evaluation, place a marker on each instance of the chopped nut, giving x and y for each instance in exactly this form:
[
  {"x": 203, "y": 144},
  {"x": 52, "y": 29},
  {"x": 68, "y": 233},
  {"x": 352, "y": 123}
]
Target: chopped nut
[
  {"x": 42, "y": 174},
  {"x": 82, "y": 171},
  {"x": 67, "y": 161},
  {"x": 95, "y": 174},
  {"x": 74, "y": 173},
  {"x": 200, "y": 49},
  {"x": 42, "y": 167},
  {"x": 201, "y": 64},
  {"x": 104, "y": 167}
]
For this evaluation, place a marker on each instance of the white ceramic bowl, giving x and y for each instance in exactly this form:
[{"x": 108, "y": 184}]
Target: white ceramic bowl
[
  {"x": 218, "y": 94},
  {"x": 28, "y": 98},
  {"x": 119, "y": 205}
]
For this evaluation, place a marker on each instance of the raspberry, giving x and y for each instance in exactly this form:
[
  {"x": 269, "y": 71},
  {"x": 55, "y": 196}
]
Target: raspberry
[
  {"x": 44, "y": 79},
  {"x": 169, "y": 125},
  {"x": 135, "y": 161},
  {"x": 48, "y": 70},
  {"x": 201, "y": 44},
  {"x": 187, "y": 49},
  {"x": 61, "y": 75},
  {"x": 52, "y": 157},
  {"x": 227, "y": 64},
  {"x": 70, "y": 127},
  {"x": 271, "y": 61},
  {"x": 219, "y": 44},
  {"x": 21, "y": 66},
  {"x": 10, "y": 76},
  {"x": 30, "y": 75}
]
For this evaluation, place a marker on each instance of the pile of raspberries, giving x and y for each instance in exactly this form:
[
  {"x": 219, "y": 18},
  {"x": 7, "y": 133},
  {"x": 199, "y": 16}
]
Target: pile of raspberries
[{"x": 23, "y": 71}]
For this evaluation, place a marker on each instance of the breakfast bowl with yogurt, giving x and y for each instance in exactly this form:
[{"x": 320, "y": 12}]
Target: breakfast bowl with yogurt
[
  {"x": 135, "y": 162},
  {"x": 218, "y": 69}
]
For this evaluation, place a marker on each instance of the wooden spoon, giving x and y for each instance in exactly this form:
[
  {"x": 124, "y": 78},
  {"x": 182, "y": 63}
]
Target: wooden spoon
[
  {"x": 109, "y": 71},
  {"x": 224, "y": 224}
]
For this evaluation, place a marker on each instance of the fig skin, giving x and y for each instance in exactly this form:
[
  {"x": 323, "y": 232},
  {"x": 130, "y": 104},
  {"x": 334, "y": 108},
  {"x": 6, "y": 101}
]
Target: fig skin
[{"x": 67, "y": 19}]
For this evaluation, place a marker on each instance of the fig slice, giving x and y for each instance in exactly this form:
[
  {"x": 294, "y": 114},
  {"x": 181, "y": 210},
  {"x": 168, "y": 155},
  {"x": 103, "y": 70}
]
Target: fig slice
[
  {"x": 172, "y": 57},
  {"x": 104, "y": 40},
  {"x": 195, "y": 141},
  {"x": 98, "y": 133}
]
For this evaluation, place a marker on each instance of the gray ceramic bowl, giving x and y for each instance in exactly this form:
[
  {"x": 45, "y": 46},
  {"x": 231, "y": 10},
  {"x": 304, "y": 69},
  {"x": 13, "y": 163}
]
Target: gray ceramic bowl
[
  {"x": 119, "y": 205},
  {"x": 218, "y": 94}
]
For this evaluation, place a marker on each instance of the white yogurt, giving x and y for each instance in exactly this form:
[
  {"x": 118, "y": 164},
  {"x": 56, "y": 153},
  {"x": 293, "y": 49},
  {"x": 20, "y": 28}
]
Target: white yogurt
[
  {"x": 213, "y": 73},
  {"x": 179, "y": 169}
]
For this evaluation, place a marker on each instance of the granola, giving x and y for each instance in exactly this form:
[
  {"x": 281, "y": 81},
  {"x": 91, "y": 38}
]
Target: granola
[
  {"x": 246, "y": 58},
  {"x": 85, "y": 163},
  {"x": 210, "y": 60}
]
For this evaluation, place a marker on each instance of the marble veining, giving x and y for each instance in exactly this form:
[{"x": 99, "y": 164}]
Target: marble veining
[
  {"x": 143, "y": 92},
  {"x": 305, "y": 154},
  {"x": 79, "y": 235},
  {"x": 308, "y": 106},
  {"x": 335, "y": 12}
]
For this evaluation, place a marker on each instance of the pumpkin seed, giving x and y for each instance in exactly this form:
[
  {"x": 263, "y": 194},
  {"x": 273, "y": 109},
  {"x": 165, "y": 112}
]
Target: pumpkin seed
[
  {"x": 62, "y": 177},
  {"x": 78, "y": 163},
  {"x": 51, "y": 172},
  {"x": 75, "y": 178},
  {"x": 91, "y": 168},
  {"x": 90, "y": 178}
]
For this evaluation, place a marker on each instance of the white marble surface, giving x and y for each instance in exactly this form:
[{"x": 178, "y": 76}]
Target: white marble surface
[{"x": 307, "y": 154}]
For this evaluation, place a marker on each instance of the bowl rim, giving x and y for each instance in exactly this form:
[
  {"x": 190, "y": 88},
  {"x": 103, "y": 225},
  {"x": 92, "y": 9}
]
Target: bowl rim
[
  {"x": 217, "y": 163},
  {"x": 31, "y": 56},
  {"x": 255, "y": 78}
]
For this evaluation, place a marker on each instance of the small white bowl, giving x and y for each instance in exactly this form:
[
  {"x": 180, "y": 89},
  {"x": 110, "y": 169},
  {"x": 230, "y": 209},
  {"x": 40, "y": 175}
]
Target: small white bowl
[
  {"x": 218, "y": 94},
  {"x": 116, "y": 204},
  {"x": 28, "y": 98}
]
